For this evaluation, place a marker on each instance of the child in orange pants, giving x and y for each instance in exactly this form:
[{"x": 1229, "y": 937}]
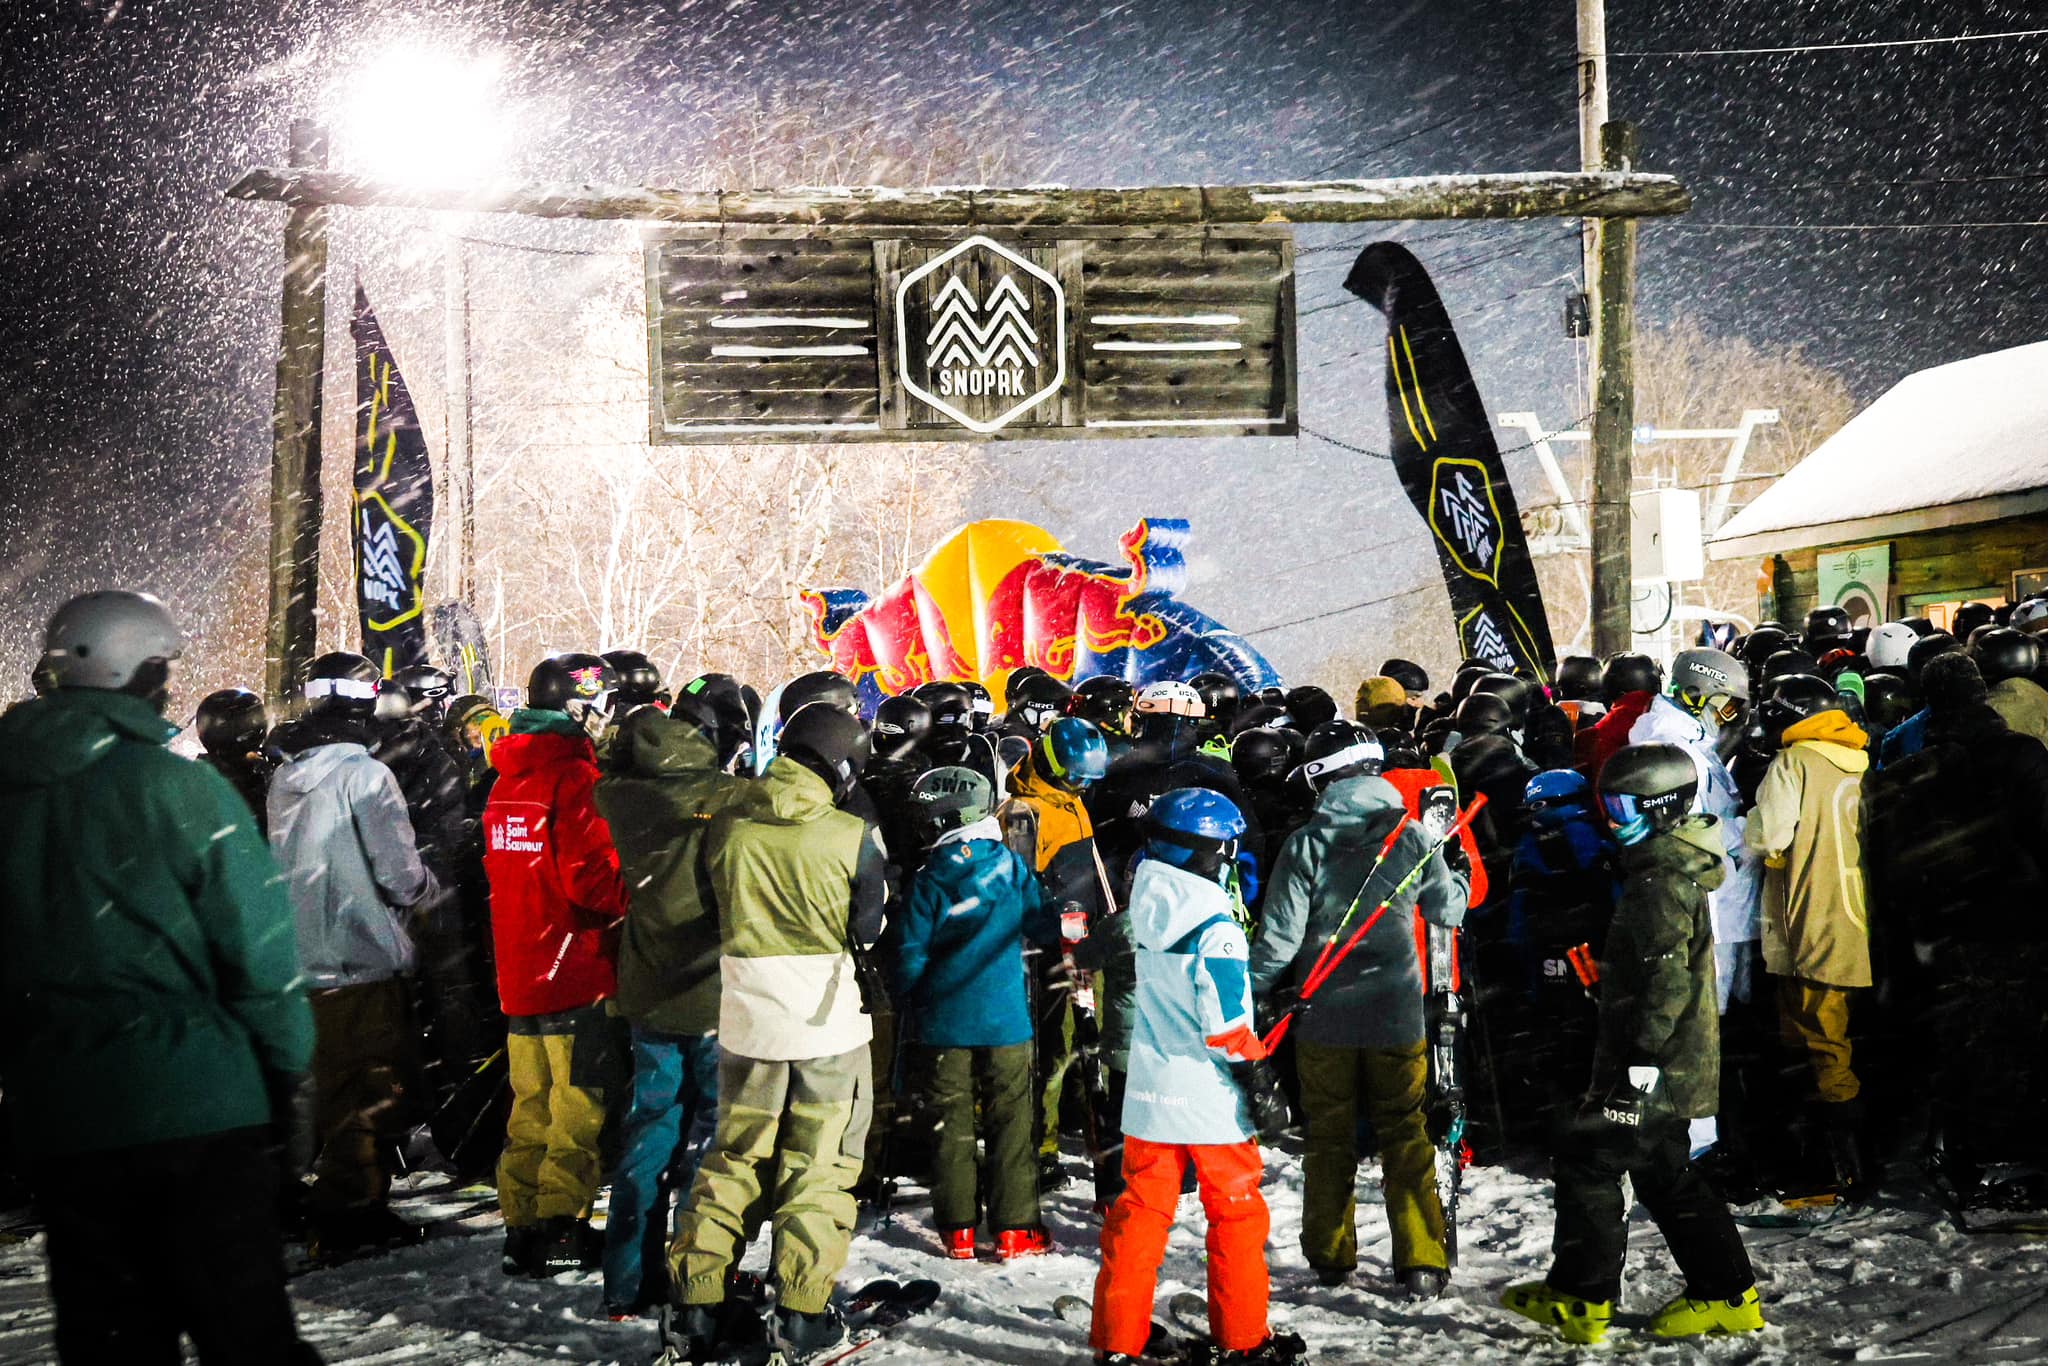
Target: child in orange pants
[{"x": 1183, "y": 1106}]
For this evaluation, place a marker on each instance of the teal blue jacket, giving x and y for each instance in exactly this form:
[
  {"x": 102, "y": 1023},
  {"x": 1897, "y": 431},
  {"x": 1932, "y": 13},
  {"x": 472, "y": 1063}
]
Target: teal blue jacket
[{"x": 149, "y": 973}]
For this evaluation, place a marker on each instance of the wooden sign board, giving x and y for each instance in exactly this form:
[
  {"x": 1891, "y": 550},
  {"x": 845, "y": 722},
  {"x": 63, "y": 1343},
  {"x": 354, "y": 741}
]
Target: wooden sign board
[{"x": 879, "y": 334}]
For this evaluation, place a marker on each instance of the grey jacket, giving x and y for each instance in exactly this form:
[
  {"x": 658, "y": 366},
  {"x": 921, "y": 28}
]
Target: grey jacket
[
  {"x": 1374, "y": 1000},
  {"x": 340, "y": 830}
]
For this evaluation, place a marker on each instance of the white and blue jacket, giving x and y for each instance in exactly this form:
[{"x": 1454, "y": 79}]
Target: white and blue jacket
[{"x": 1193, "y": 985}]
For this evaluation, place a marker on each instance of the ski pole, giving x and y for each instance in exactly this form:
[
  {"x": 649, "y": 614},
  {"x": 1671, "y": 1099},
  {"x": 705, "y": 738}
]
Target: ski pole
[
  {"x": 1314, "y": 982},
  {"x": 1330, "y": 944}
]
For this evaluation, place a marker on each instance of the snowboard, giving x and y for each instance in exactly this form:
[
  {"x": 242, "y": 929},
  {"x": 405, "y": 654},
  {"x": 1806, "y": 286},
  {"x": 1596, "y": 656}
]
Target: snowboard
[{"x": 872, "y": 1313}]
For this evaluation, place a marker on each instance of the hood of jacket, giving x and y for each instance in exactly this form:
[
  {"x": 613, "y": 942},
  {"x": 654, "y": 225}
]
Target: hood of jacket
[
  {"x": 1359, "y": 801},
  {"x": 1027, "y": 781},
  {"x": 652, "y": 744},
  {"x": 987, "y": 828},
  {"x": 1692, "y": 849},
  {"x": 538, "y": 749},
  {"x": 539, "y": 721},
  {"x": 311, "y": 732},
  {"x": 307, "y": 768},
  {"x": 52, "y": 738},
  {"x": 1834, "y": 737},
  {"x": 789, "y": 794},
  {"x": 1168, "y": 904}
]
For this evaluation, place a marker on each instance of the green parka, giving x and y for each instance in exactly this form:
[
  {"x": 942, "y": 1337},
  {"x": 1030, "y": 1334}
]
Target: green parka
[
  {"x": 661, "y": 790},
  {"x": 149, "y": 974},
  {"x": 1657, "y": 1003}
]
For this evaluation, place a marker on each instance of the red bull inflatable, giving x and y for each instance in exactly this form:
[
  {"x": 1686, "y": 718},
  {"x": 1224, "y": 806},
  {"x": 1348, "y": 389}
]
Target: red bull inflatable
[{"x": 997, "y": 595}]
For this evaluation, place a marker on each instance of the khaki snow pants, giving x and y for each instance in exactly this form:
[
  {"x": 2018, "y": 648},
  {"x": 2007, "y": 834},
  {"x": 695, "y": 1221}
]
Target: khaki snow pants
[
  {"x": 801, "y": 1126},
  {"x": 1389, "y": 1084},
  {"x": 551, "y": 1167}
]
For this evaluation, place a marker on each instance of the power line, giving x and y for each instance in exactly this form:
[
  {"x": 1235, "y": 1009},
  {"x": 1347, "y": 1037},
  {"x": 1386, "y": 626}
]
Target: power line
[
  {"x": 1858, "y": 227},
  {"x": 1837, "y": 47},
  {"x": 1339, "y": 611},
  {"x": 1858, "y": 182}
]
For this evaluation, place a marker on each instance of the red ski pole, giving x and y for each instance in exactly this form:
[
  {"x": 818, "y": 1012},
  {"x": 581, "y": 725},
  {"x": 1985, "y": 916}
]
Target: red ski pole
[
  {"x": 1330, "y": 944},
  {"x": 1326, "y": 964}
]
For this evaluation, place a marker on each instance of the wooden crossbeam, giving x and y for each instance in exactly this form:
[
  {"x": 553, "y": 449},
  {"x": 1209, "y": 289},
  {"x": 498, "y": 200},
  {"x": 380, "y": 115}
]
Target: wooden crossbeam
[{"x": 1540, "y": 194}]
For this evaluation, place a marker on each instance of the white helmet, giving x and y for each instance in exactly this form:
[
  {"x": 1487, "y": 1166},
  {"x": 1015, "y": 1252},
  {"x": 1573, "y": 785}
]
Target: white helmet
[
  {"x": 1174, "y": 699},
  {"x": 1890, "y": 644},
  {"x": 102, "y": 640},
  {"x": 2031, "y": 616}
]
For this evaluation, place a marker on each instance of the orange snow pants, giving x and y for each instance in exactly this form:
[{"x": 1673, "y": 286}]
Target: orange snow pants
[{"x": 1134, "y": 1243}]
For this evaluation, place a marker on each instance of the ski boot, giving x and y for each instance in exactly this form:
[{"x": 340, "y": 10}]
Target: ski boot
[
  {"x": 1012, "y": 1243},
  {"x": 1576, "y": 1320},
  {"x": 1690, "y": 1318},
  {"x": 569, "y": 1245},
  {"x": 957, "y": 1244},
  {"x": 1421, "y": 1283},
  {"x": 522, "y": 1249},
  {"x": 1330, "y": 1277},
  {"x": 798, "y": 1337},
  {"x": 690, "y": 1334},
  {"x": 1278, "y": 1349}
]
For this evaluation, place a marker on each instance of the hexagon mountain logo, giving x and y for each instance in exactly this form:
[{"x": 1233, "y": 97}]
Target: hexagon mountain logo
[{"x": 985, "y": 351}]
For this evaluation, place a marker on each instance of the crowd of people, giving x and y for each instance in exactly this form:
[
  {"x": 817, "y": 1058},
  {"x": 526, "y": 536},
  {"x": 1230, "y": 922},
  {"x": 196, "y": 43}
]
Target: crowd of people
[{"x": 1750, "y": 927}]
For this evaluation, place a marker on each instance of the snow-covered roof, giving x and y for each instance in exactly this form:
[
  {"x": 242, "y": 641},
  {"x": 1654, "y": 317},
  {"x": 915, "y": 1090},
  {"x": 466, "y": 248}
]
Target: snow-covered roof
[{"x": 1961, "y": 443}]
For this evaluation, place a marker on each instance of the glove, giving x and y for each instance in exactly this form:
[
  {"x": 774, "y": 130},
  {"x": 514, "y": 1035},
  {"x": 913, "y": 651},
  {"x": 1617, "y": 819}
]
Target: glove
[
  {"x": 1263, "y": 1099},
  {"x": 1267, "y": 1010},
  {"x": 1627, "y": 1101}
]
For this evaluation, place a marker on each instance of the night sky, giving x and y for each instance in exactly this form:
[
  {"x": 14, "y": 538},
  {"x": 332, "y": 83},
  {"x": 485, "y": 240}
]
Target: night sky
[{"x": 138, "y": 307}]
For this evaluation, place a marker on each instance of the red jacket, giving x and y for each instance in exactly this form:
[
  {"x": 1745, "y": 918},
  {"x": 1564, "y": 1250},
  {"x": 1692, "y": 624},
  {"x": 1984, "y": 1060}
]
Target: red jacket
[
  {"x": 1591, "y": 749},
  {"x": 556, "y": 897}
]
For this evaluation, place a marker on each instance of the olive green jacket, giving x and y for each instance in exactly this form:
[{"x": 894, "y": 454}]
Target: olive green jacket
[
  {"x": 797, "y": 880},
  {"x": 1657, "y": 1000},
  {"x": 661, "y": 790}
]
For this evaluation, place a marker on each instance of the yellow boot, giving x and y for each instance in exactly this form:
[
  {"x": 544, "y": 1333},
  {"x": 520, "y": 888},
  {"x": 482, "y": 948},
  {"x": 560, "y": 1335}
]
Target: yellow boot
[
  {"x": 1688, "y": 1318},
  {"x": 1576, "y": 1320}
]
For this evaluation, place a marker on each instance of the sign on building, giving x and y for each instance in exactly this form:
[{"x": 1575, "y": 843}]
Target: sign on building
[{"x": 888, "y": 335}]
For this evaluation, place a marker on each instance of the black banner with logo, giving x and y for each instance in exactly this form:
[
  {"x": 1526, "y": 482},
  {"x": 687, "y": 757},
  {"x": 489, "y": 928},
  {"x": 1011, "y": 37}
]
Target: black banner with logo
[
  {"x": 394, "y": 503},
  {"x": 1448, "y": 461}
]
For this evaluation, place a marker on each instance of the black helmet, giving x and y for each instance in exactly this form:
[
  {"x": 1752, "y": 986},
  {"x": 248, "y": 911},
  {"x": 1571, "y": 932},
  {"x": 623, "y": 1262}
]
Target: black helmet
[
  {"x": 1647, "y": 788},
  {"x": 2004, "y": 653},
  {"x": 231, "y": 723},
  {"x": 1627, "y": 673},
  {"x": 1483, "y": 713},
  {"x": 1411, "y": 676},
  {"x": 1105, "y": 700},
  {"x": 1311, "y": 707},
  {"x": 1969, "y": 617},
  {"x": 1337, "y": 750},
  {"x": 1013, "y": 685},
  {"x": 901, "y": 725},
  {"x": 427, "y": 688},
  {"x": 981, "y": 706},
  {"x": 578, "y": 684},
  {"x": 1928, "y": 648},
  {"x": 1824, "y": 624},
  {"x": 1220, "y": 699},
  {"x": 1469, "y": 673},
  {"x": 1760, "y": 644},
  {"x": 1039, "y": 701},
  {"x": 1578, "y": 678},
  {"x": 1786, "y": 662},
  {"x": 1793, "y": 699},
  {"x": 1264, "y": 755},
  {"x": 342, "y": 683},
  {"x": 821, "y": 686},
  {"x": 1263, "y": 716},
  {"x": 1518, "y": 693},
  {"x": 830, "y": 743},
  {"x": 1886, "y": 701},
  {"x": 951, "y": 706},
  {"x": 695, "y": 710},
  {"x": 726, "y": 700},
  {"x": 1273, "y": 695},
  {"x": 639, "y": 681}
]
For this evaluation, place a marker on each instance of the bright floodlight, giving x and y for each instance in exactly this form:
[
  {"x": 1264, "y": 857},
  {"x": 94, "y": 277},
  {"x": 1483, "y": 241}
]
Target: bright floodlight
[{"x": 418, "y": 116}]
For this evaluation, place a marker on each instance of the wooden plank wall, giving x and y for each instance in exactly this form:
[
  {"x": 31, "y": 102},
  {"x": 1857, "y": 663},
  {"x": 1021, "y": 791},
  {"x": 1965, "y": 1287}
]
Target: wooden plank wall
[{"x": 1948, "y": 559}]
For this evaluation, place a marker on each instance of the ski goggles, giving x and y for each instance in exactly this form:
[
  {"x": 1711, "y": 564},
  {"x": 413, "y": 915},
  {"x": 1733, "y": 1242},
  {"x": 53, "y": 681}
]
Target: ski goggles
[{"x": 355, "y": 689}]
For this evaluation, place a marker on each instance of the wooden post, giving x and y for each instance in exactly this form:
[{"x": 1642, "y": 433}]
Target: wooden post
[
  {"x": 295, "y": 440},
  {"x": 1592, "y": 100},
  {"x": 1614, "y": 406}
]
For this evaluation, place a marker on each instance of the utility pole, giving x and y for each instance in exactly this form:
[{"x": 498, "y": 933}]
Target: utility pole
[
  {"x": 295, "y": 505},
  {"x": 1592, "y": 102},
  {"x": 1614, "y": 406}
]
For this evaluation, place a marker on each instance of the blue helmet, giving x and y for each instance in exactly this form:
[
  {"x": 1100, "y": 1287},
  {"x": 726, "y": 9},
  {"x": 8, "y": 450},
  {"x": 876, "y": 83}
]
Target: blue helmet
[
  {"x": 1557, "y": 788},
  {"x": 1194, "y": 828},
  {"x": 1073, "y": 753}
]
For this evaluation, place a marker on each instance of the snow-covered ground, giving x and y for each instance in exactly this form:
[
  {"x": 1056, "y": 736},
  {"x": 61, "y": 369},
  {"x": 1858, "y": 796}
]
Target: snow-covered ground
[{"x": 1896, "y": 1284}]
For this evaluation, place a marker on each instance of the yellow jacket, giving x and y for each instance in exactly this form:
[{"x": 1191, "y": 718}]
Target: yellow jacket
[
  {"x": 1808, "y": 825},
  {"x": 1049, "y": 826}
]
